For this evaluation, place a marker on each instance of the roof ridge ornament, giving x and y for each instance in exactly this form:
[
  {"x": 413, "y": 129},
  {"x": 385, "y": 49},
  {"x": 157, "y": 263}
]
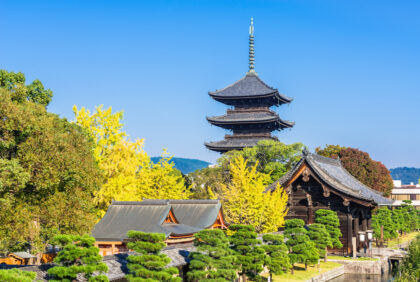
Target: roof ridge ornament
[{"x": 251, "y": 70}]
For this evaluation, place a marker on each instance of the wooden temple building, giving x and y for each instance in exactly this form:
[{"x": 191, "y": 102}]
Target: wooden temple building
[
  {"x": 250, "y": 118},
  {"x": 317, "y": 182},
  {"x": 179, "y": 220}
]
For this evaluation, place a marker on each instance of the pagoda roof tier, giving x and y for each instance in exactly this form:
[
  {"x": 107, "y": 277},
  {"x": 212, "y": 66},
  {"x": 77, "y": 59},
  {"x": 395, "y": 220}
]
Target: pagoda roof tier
[
  {"x": 249, "y": 87},
  {"x": 250, "y": 118},
  {"x": 233, "y": 118},
  {"x": 235, "y": 143}
]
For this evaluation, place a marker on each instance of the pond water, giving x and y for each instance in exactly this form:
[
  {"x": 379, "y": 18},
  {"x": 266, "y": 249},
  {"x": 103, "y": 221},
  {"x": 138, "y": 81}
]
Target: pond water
[{"x": 362, "y": 278}]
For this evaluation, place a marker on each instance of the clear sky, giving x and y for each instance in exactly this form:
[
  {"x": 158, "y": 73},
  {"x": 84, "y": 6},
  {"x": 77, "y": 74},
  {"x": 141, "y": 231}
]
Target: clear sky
[{"x": 352, "y": 67}]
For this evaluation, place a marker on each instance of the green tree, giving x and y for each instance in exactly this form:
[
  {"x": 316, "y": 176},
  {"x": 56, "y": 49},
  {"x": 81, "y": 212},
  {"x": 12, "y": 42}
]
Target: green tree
[
  {"x": 409, "y": 269},
  {"x": 78, "y": 256},
  {"x": 322, "y": 239},
  {"x": 383, "y": 217},
  {"x": 301, "y": 248},
  {"x": 47, "y": 174},
  {"x": 410, "y": 215},
  {"x": 34, "y": 92},
  {"x": 269, "y": 156},
  {"x": 149, "y": 264},
  {"x": 331, "y": 222},
  {"x": 398, "y": 220},
  {"x": 16, "y": 275},
  {"x": 277, "y": 259},
  {"x": 250, "y": 256},
  {"x": 214, "y": 260},
  {"x": 359, "y": 164}
]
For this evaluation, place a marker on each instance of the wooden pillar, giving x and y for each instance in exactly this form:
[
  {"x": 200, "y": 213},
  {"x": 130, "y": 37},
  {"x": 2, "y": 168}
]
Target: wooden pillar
[
  {"x": 369, "y": 223},
  {"x": 113, "y": 249},
  {"x": 356, "y": 230},
  {"x": 364, "y": 224},
  {"x": 349, "y": 233},
  {"x": 310, "y": 209}
]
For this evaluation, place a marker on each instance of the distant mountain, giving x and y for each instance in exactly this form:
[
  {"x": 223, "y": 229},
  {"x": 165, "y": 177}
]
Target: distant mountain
[
  {"x": 406, "y": 174},
  {"x": 186, "y": 165}
]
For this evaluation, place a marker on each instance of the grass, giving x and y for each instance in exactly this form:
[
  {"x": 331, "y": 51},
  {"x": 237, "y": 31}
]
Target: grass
[
  {"x": 302, "y": 275},
  {"x": 402, "y": 239},
  {"x": 350, "y": 258}
]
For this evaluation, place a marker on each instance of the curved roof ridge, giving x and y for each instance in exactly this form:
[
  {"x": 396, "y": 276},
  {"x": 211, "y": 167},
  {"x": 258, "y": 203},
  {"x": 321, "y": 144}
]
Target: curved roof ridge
[
  {"x": 194, "y": 201},
  {"x": 141, "y": 203},
  {"x": 230, "y": 85}
]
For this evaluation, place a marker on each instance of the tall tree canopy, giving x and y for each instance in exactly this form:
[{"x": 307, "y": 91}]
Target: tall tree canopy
[
  {"x": 359, "y": 164},
  {"x": 269, "y": 156},
  {"x": 34, "y": 92},
  {"x": 128, "y": 172},
  {"x": 245, "y": 200},
  {"x": 47, "y": 173}
]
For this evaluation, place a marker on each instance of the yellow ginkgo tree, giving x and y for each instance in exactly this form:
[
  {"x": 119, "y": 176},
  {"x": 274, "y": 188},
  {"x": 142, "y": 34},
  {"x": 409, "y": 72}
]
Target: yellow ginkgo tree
[
  {"x": 128, "y": 172},
  {"x": 246, "y": 202}
]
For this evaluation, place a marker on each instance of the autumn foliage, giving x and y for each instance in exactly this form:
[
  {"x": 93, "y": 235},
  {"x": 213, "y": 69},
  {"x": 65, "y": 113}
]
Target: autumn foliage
[{"x": 359, "y": 164}]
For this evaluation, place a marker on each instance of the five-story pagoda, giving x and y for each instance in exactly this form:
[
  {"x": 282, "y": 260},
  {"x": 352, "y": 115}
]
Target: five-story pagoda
[{"x": 251, "y": 119}]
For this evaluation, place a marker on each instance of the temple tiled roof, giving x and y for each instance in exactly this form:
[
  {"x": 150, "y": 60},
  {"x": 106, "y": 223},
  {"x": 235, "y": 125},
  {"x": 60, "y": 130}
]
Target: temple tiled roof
[
  {"x": 149, "y": 216},
  {"x": 336, "y": 176},
  {"x": 250, "y": 117},
  {"x": 250, "y": 86},
  {"x": 234, "y": 143}
]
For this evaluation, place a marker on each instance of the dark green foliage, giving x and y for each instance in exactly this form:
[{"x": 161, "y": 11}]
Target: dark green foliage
[
  {"x": 34, "y": 92},
  {"x": 320, "y": 236},
  {"x": 16, "y": 275},
  {"x": 407, "y": 175},
  {"x": 398, "y": 220},
  {"x": 250, "y": 256},
  {"x": 78, "y": 256},
  {"x": 149, "y": 265},
  {"x": 277, "y": 259},
  {"x": 185, "y": 165},
  {"x": 301, "y": 248},
  {"x": 332, "y": 224},
  {"x": 213, "y": 261},
  {"x": 409, "y": 270},
  {"x": 411, "y": 218},
  {"x": 48, "y": 173},
  {"x": 383, "y": 217}
]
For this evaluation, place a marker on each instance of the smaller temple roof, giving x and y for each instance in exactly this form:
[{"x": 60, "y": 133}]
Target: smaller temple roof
[
  {"x": 250, "y": 86},
  {"x": 250, "y": 117},
  {"x": 149, "y": 216},
  {"x": 235, "y": 143},
  {"x": 335, "y": 175}
]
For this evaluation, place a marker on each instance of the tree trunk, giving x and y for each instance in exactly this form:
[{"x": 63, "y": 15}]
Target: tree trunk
[
  {"x": 326, "y": 254},
  {"x": 292, "y": 270},
  {"x": 306, "y": 266},
  {"x": 244, "y": 278}
]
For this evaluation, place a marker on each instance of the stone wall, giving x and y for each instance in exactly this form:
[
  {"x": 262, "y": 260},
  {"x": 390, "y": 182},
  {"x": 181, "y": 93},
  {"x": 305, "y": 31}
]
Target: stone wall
[
  {"x": 328, "y": 275},
  {"x": 378, "y": 267}
]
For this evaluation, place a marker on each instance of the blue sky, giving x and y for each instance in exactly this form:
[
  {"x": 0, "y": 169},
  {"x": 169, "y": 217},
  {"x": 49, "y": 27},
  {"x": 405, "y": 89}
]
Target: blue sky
[{"x": 352, "y": 67}]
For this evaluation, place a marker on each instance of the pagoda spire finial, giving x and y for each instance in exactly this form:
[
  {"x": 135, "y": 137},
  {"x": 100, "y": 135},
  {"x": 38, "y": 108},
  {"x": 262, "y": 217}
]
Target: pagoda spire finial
[{"x": 251, "y": 70}]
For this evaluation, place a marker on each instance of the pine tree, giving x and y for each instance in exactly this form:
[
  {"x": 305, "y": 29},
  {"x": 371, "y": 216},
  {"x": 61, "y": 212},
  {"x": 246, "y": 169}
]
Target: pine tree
[
  {"x": 78, "y": 256},
  {"x": 383, "y": 217},
  {"x": 16, "y": 275},
  {"x": 330, "y": 219},
  {"x": 149, "y": 264},
  {"x": 398, "y": 219},
  {"x": 319, "y": 235},
  {"x": 250, "y": 256},
  {"x": 214, "y": 260},
  {"x": 277, "y": 260},
  {"x": 301, "y": 248}
]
